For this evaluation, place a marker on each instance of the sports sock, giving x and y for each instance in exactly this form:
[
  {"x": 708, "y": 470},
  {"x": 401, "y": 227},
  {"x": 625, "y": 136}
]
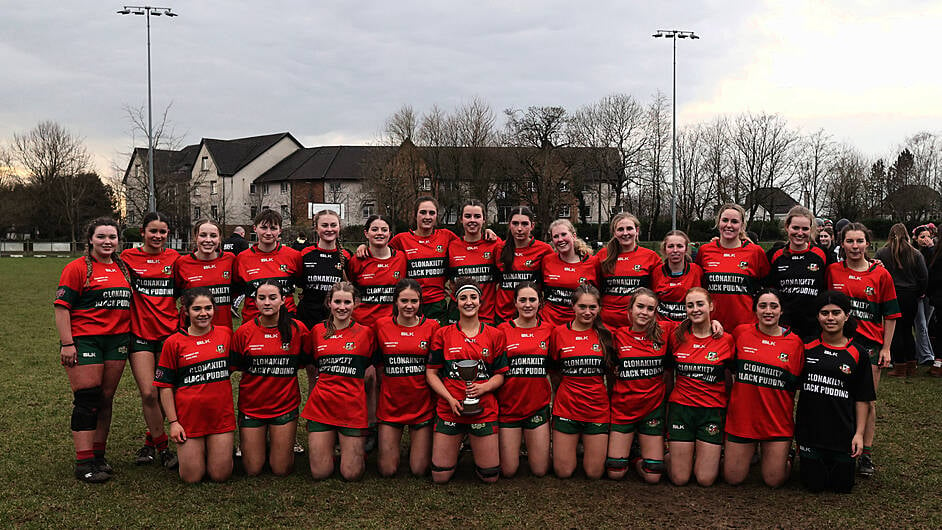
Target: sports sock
[
  {"x": 99, "y": 449},
  {"x": 148, "y": 440},
  {"x": 161, "y": 442},
  {"x": 868, "y": 450},
  {"x": 84, "y": 457}
]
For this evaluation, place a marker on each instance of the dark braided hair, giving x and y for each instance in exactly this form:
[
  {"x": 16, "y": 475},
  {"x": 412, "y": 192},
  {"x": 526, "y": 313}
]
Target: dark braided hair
[{"x": 116, "y": 257}]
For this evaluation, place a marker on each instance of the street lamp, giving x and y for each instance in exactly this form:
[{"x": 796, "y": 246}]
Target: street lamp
[
  {"x": 674, "y": 34},
  {"x": 147, "y": 11}
]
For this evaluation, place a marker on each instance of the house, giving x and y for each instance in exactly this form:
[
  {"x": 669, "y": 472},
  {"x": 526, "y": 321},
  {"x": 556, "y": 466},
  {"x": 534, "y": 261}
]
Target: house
[
  {"x": 912, "y": 202},
  {"x": 172, "y": 170},
  {"x": 769, "y": 204}
]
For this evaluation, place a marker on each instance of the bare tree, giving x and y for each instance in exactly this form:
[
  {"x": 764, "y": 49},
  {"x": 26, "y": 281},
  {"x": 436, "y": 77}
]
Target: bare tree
[
  {"x": 847, "y": 193},
  {"x": 763, "y": 144},
  {"x": 655, "y": 162},
  {"x": 814, "y": 157},
  {"x": 401, "y": 126},
  {"x": 56, "y": 161},
  {"x": 926, "y": 149},
  {"x": 697, "y": 183}
]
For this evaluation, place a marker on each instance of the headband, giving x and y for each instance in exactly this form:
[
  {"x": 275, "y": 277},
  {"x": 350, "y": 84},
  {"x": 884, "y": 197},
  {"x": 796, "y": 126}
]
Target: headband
[{"x": 467, "y": 286}]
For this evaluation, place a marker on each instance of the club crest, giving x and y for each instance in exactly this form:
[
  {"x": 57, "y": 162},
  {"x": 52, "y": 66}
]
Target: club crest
[
  {"x": 845, "y": 368},
  {"x": 226, "y": 274},
  {"x": 167, "y": 270},
  {"x": 712, "y": 356},
  {"x": 220, "y": 348},
  {"x": 783, "y": 357},
  {"x": 348, "y": 346},
  {"x": 283, "y": 268},
  {"x": 743, "y": 265}
]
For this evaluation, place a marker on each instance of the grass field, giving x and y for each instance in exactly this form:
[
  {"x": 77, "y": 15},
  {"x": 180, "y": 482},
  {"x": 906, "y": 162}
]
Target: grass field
[{"x": 36, "y": 460}]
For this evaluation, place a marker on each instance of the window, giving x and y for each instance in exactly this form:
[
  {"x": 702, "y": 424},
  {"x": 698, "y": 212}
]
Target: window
[
  {"x": 425, "y": 184},
  {"x": 196, "y": 190},
  {"x": 196, "y": 212},
  {"x": 503, "y": 214},
  {"x": 214, "y": 211},
  {"x": 531, "y": 186},
  {"x": 265, "y": 189},
  {"x": 138, "y": 171},
  {"x": 284, "y": 187},
  {"x": 266, "y": 208},
  {"x": 284, "y": 211},
  {"x": 253, "y": 211},
  {"x": 335, "y": 190},
  {"x": 368, "y": 209},
  {"x": 131, "y": 218},
  {"x": 212, "y": 187},
  {"x": 564, "y": 212},
  {"x": 204, "y": 164},
  {"x": 564, "y": 186},
  {"x": 252, "y": 189},
  {"x": 451, "y": 217}
]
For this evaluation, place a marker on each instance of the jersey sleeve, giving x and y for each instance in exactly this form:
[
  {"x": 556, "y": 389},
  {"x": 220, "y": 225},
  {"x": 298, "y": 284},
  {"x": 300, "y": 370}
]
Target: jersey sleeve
[
  {"x": 166, "y": 374},
  {"x": 552, "y": 357},
  {"x": 436, "y": 350},
  {"x": 71, "y": 285},
  {"x": 499, "y": 364},
  {"x": 889, "y": 305},
  {"x": 862, "y": 384},
  {"x": 236, "y": 349},
  {"x": 762, "y": 263}
]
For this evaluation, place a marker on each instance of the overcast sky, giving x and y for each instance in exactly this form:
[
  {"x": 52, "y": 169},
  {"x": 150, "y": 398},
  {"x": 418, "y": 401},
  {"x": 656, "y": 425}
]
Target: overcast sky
[{"x": 330, "y": 72}]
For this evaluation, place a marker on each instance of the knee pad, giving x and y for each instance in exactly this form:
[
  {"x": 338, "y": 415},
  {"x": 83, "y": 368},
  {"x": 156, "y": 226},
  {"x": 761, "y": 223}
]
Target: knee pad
[
  {"x": 439, "y": 469},
  {"x": 85, "y": 409},
  {"x": 487, "y": 472},
  {"x": 616, "y": 464},
  {"x": 652, "y": 466}
]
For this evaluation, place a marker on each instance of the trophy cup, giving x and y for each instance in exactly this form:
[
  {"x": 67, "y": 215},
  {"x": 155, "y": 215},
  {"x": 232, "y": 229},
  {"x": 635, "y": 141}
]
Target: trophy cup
[{"x": 468, "y": 372}]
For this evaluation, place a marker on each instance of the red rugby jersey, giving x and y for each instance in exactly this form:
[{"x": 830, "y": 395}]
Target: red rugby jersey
[
  {"x": 154, "y": 313},
  {"x": 338, "y": 397},
  {"x": 215, "y": 275},
  {"x": 197, "y": 368},
  {"x": 700, "y": 368},
  {"x": 426, "y": 260},
  {"x": 632, "y": 270},
  {"x": 580, "y": 360},
  {"x": 526, "y": 267},
  {"x": 872, "y": 297},
  {"x": 732, "y": 276},
  {"x": 402, "y": 353},
  {"x": 476, "y": 260},
  {"x": 102, "y": 308},
  {"x": 253, "y": 267},
  {"x": 450, "y": 345},
  {"x": 560, "y": 280},
  {"x": 639, "y": 385},
  {"x": 269, "y": 384},
  {"x": 376, "y": 279},
  {"x": 671, "y": 290},
  {"x": 768, "y": 370},
  {"x": 526, "y": 388}
]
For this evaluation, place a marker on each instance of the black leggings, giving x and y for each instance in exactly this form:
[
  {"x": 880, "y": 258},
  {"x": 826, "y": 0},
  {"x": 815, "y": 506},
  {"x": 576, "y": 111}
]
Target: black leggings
[
  {"x": 823, "y": 470},
  {"x": 903, "y": 348}
]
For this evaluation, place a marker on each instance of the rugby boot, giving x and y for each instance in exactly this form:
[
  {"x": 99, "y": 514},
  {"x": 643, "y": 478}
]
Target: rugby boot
[{"x": 87, "y": 472}]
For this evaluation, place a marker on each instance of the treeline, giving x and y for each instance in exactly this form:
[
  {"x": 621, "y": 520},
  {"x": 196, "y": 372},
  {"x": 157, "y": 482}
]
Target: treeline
[
  {"x": 724, "y": 160},
  {"x": 47, "y": 188}
]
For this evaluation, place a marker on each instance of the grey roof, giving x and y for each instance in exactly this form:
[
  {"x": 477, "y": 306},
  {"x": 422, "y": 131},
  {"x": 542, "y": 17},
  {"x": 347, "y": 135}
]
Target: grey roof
[
  {"x": 166, "y": 161},
  {"x": 232, "y": 155},
  {"x": 334, "y": 162},
  {"x": 773, "y": 200}
]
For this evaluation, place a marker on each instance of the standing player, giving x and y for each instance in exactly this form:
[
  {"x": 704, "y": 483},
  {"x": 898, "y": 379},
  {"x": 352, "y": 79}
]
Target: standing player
[
  {"x": 377, "y": 274},
  {"x": 769, "y": 359},
  {"x": 698, "y": 399},
  {"x": 639, "y": 390},
  {"x": 92, "y": 310},
  {"x": 799, "y": 272},
  {"x": 563, "y": 272},
  {"x": 269, "y": 350},
  {"x": 836, "y": 393},
  {"x": 322, "y": 265},
  {"x": 474, "y": 256},
  {"x": 426, "y": 250},
  {"x": 621, "y": 267},
  {"x": 267, "y": 260},
  {"x": 336, "y": 407},
  {"x": 677, "y": 275},
  {"x": 153, "y": 318},
  {"x": 208, "y": 266},
  {"x": 732, "y": 268},
  {"x": 524, "y": 398},
  {"x": 405, "y": 398},
  {"x": 519, "y": 260},
  {"x": 582, "y": 353},
  {"x": 468, "y": 339},
  {"x": 193, "y": 378},
  {"x": 870, "y": 288}
]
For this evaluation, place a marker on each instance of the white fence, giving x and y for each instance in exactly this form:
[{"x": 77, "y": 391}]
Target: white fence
[{"x": 63, "y": 248}]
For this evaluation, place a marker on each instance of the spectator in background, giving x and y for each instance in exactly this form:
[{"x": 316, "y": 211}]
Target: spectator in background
[
  {"x": 236, "y": 242},
  {"x": 827, "y": 243},
  {"x": 300, "y": 243},
  {"x": 924, "y": 236},
  {"x": 910, "y": 277}
]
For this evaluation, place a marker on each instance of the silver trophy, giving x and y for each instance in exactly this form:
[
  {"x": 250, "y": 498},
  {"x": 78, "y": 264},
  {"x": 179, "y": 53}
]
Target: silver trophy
[{"x": 468, "y": 372}]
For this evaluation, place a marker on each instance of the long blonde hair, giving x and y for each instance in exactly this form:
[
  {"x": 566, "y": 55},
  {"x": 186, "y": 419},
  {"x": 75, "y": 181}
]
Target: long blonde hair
[
  {"x": 683, "y": 329},
  {"x": 583, "y": 250},
  {"x": 338, "y": 287},
  {"x": 742, "y": 216}
]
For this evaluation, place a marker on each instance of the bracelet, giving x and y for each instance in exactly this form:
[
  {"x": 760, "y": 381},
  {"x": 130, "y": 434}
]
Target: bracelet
[
  {"x": 172, "y": 421},
  {"x": 66, "y": 345}
]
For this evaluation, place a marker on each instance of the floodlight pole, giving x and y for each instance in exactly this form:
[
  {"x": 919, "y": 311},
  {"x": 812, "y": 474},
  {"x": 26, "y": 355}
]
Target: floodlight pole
[
  {"x": 146, "y": 11},
  {"x": 674, "y": 34}
]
